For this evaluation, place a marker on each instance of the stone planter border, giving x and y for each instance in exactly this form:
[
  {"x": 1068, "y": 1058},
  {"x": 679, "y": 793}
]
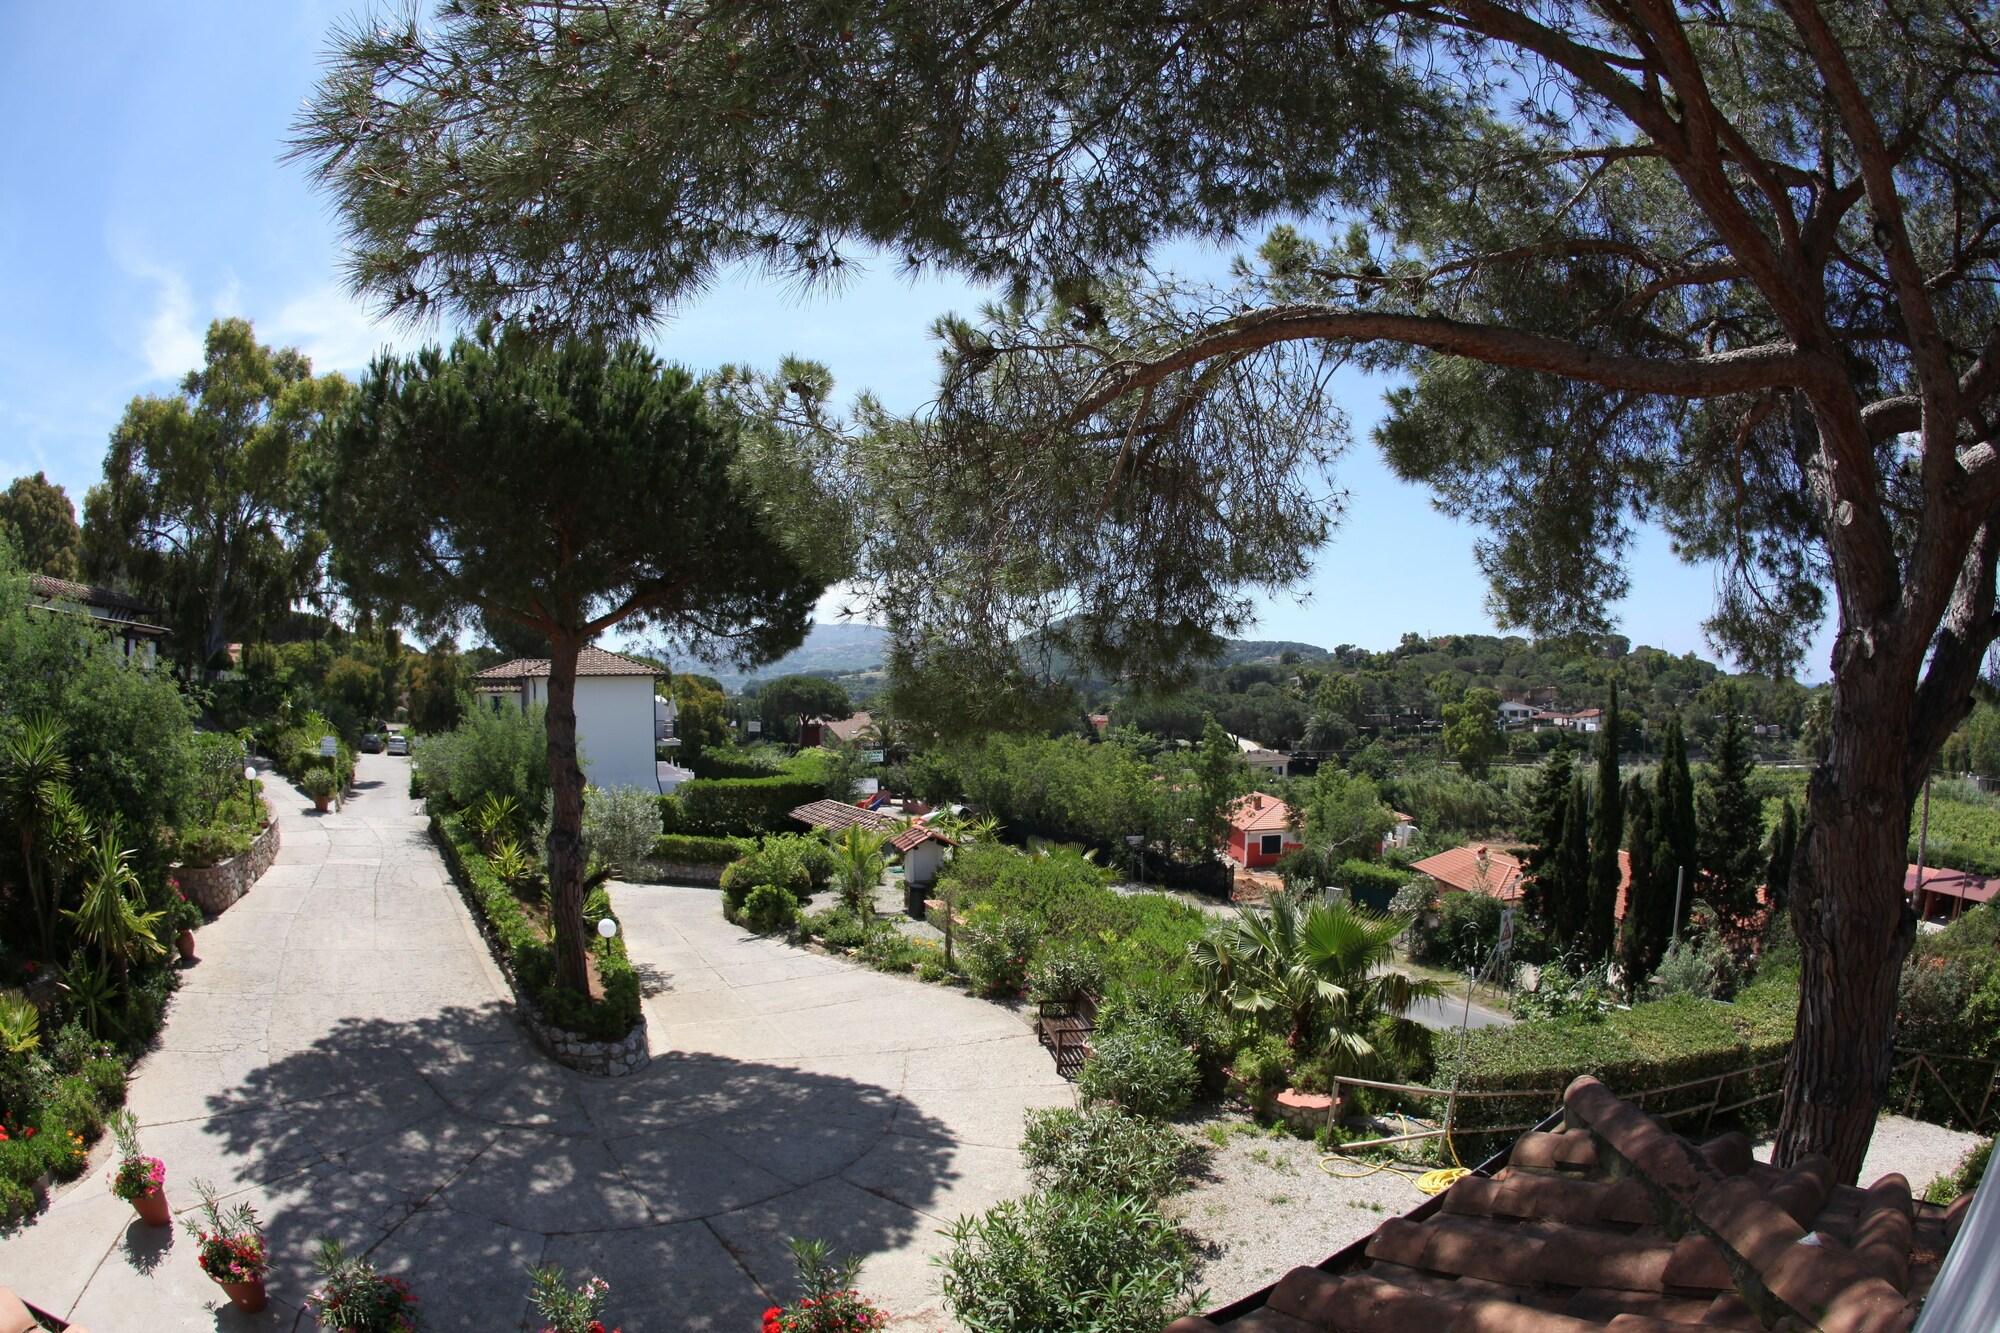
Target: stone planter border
[
  {"x": 603, "y": 1059},
  {"x": 214, "y": 888},
  {"x": 1304, "y": 1110}
]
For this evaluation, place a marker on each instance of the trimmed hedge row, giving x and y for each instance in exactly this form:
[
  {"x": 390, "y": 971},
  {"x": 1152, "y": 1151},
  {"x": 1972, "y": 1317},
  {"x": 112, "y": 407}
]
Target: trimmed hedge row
[
  {"x": 528, "y": 954},
  {"x": 692, "y": 849},
  {"x": 1649, "y": 1046},
  {"x": 737, "y": 807}
]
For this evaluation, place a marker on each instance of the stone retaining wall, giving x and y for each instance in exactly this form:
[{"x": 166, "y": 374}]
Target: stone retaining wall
[
  {"x": 695, "y": 874},
  {"x": 214, "y": 888},
  {"x": 606, "y": 1059}
]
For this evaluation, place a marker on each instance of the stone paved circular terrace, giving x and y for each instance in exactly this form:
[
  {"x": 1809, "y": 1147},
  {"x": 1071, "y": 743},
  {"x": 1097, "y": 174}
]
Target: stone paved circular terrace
[{"x": 344, "y": 1057}]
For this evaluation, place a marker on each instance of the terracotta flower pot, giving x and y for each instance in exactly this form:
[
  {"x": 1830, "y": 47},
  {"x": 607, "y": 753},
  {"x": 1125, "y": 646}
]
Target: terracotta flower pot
[
  {"x": 152, "y": 1209},
  {"x": 245, "y": 1296},
  {"x": 184, "y": 944},
  {"x": 320, "y": 803}
]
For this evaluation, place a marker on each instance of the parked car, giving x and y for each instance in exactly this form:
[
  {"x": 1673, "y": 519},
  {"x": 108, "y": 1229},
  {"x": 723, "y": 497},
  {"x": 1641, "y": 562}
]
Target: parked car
[
  {"x": 371, "y": 743},
  {"x": 399, "y": 743}
]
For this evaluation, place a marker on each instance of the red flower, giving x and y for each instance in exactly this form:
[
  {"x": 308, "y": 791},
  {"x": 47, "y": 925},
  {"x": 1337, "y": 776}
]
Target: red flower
[{"x": 30, "y": 966}]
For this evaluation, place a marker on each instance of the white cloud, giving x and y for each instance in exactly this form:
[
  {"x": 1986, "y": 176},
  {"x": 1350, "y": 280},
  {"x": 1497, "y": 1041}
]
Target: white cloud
[
  {"x": 170, "y": 341},
  {"x": 336, "y": 330}
]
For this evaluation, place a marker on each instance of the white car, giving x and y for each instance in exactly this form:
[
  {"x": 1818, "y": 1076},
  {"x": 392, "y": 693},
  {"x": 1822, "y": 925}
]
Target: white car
[{"x": 399, "y": 743}]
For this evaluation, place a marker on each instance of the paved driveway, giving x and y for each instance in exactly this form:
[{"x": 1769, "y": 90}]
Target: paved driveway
[{"x": 344, "y": 1057}]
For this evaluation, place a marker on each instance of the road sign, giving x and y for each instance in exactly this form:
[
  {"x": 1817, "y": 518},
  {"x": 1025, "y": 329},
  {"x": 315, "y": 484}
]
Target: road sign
[
  {"x": 755, "y": 726},
  {"x": 1506, "y": 929},
  {"x": 871, "y": 756},
  {"x": 328, "y": 747}
]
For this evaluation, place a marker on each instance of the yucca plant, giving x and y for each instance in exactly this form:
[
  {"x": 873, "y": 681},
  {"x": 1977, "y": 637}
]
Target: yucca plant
[
  {"x": 107, "y": 919},
  {"x": 493, "y": 818},
  {"x": 858, "y": 863},
  {"x": 34, "y": 793},
  {"x": 20, "y": 1023},
  {"x": 1317, "y": 975}
]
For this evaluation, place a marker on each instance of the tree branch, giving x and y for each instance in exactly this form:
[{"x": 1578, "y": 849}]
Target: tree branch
[{"x": 1744, "y": 370}]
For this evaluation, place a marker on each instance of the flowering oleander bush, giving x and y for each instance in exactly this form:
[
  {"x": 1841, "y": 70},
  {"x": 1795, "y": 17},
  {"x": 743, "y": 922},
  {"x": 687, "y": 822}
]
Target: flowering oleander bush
[
  {"x": 229, "y": 1246},
  {"x": 136, "y": 1175},
  {"x": 353, "y": 1297},
  {"x": 830, "y": 1304},
  {"x": 566, "y": 1309}
]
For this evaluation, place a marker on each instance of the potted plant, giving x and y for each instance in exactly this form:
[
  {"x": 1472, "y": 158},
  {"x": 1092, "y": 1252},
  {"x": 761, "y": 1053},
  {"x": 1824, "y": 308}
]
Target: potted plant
[
  {"x": 137, "y": 1179},
  {"x": 229, "y": 1246},
  {"x": 183, "y": 916},
  {"x": 318, "y": 783},
  {"x": 352, "y": 1296},
  {"x": 830, "y": 1304},
  {"x": 566, "y": 1309}
]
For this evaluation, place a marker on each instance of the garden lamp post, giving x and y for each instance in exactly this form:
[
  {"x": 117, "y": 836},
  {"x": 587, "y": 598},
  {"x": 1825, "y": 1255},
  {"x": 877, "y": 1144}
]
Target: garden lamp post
[{"x": 250, "y": 784}]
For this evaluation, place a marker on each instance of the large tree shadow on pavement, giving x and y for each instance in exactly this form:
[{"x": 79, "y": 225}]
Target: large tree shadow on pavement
[{"x": 457, "y": 1156}]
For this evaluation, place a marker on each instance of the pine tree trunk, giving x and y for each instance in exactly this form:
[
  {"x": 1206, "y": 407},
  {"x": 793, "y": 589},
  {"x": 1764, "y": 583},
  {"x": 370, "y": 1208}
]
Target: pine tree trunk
[
  {"x": 565, "y": 847},
  {"x": 1853, "y": 926}
]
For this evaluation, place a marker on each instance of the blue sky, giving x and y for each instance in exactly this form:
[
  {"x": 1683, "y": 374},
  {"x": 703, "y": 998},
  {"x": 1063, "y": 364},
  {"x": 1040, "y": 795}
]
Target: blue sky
[{"x": 144, "y": 196}]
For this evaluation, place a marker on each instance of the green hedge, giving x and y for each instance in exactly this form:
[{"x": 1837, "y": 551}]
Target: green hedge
[
  {"x": 738, "y": 807},
  {"x": 1649, "y": 1046},
  {"x": 691, "y": 849},
  {"x": 722, "y": 764},
  {"x": 1371, "y": 884},
  {"x": 527, "y": 952}
]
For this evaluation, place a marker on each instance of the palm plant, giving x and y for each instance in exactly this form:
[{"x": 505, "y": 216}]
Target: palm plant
[
  {"x": 1318, "y": 975},
  {"x": 108, "y": 918},
  {"x": 858, "y": 864},
  {"x": 493, "y": 818}
]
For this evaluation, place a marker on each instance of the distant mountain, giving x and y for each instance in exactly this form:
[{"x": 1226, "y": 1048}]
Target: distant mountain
[
  {"x": 829, "y": 650},
  {"x": 1235, "y": 652}
]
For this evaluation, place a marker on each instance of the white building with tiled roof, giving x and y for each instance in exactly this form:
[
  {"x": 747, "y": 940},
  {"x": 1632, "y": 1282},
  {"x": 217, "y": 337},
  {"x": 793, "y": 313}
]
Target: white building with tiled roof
[{"x": 614, "y": 711}]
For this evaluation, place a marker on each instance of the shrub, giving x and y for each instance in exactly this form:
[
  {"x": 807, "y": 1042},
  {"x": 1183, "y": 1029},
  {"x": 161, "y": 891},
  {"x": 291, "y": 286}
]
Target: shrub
[
  {"x": 741, "y": 806},
  {"x": 620, "y": 827},
  {"x": 838, "y": 928},
  {"x": 996, "y": 951},
  {"x": 890, "y": 950},
  {"x": 769, "y": 908},
  {"x": 1083, "y": 1263},
  {"x": 1102, "y": 1148},
  {"x": 319, "y": 783},
  {"x": 1467, "y": 927},
  {"x": 491, "y": 752},
  {"x": 687, "y": 849},
  {"x": 212, "y": 844},
  {"x": 1371, "y": 884},
  {"x": 1262, "y": 1070},
  {"x": 1065, "y": 974},
  {"x": 1970, "y": 1171},
  {"x": 828, "y": 1302},
  {"x": 1175, "y": 1008},
  {"x": 1141, "y": 1068},
  {"x": 1703, "y": 968},
  {"x": 352, "y": 1297}
]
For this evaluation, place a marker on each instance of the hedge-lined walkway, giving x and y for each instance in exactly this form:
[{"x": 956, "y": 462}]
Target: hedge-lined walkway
[{"x": 344, "y": 1058}]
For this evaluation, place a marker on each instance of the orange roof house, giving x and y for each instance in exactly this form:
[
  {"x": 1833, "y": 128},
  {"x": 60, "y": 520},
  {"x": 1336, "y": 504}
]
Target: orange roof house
[
  {"x": 1475, "y": 868},
  {"x": 1262, "y": 828}
]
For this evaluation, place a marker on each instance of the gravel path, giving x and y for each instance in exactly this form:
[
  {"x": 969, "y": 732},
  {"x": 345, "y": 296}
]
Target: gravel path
[
  {"x": 1265, "y": 1207},
  {"x": 1920, "y": 1150}
]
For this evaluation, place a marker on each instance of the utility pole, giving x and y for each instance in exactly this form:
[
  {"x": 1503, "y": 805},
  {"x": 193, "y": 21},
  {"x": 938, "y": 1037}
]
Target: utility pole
[{"x": 1680, "y": 878}]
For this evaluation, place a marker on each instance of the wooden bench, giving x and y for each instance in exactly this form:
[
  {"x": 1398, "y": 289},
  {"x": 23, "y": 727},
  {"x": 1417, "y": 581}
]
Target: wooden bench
[{"x": 1065, "y": 1028}]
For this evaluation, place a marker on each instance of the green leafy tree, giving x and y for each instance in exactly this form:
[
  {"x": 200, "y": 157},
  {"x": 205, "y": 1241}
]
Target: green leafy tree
[
  {"x": 1318, "y": 976},
  {"x": 1674, "y": 813},
  {"x": 1220, "y": 780},
  {"x": 1730, "y": 828},
  {"x": 1472, "y": 731},
  {"x": 702, "y": 719},
  {"x": 1784, "y": 847},
  {"x": 203, "y": 503},
  {"x": 1346, "y": 818},
  {"x": 438, "y": 684},
  {"x": 789, "y": 702},
  {"x": 37, "y": 517},
  {"x": 1713, "y": 266},
  {"x": 1607, "y": 833},
  {"x": 589, "y": 486}
]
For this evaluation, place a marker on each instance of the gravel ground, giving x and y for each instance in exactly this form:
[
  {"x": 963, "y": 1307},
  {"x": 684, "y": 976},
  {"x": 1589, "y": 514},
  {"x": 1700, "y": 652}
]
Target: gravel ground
[
  {"x": 1920, "y": 1150},
  {"x": 1264, "y": 1207}
]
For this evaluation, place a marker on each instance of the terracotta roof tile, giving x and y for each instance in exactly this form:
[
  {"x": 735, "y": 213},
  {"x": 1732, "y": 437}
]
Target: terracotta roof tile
[
  {"x": 1261, "y": 812},
  {"x": 1615, "y": 1222},
  {"x": 589, "y": 662},
  {"x": 832, "y": 814},
  {"x": 1475, "y": 868},
  {"x": 915, "y": 834},
  {"x": 68, "y": 590}
]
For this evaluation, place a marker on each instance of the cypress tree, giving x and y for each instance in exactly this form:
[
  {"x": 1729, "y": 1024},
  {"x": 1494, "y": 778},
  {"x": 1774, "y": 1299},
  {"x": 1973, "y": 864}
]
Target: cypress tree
[
  {"x": 1568, "y": 894},
  {"x": 1784, "y": 846},
  {"x": 1548, "y": 803},
  {"x": 1674, "y": 819},
  {"x": 1607, "y": 831},
  {"x": 1649, "y": 902},
  {"x": 1731, "y": 828}
]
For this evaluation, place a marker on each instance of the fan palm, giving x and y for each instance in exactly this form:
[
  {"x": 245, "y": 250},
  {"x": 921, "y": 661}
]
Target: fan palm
[
  {"x": 1316, "y": 974},
  {"x": 108, "y": 919}
]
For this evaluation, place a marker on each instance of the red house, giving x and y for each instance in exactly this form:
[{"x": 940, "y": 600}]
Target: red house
[{"x": 1262, "y": 828}]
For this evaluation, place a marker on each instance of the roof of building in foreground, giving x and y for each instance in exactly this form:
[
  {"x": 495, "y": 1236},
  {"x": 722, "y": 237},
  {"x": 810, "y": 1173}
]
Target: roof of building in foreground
[{"x": 1616, "y": 1222}]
